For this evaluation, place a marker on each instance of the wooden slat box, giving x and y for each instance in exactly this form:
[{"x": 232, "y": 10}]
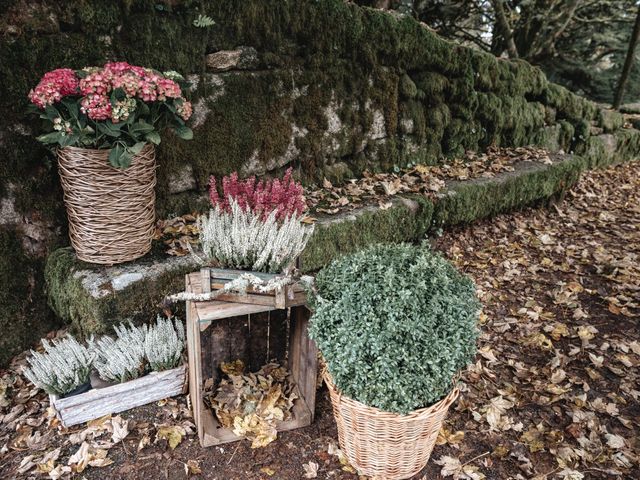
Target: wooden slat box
[
  {"x": 215, "y": 278},
  {"x": 120, "y": 397},
  {"x": 220, "y": 331}
]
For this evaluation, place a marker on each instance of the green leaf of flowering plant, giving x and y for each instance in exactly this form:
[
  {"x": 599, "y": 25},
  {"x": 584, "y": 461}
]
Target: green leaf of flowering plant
[
  {"x": 141, "y": 128},
  {"x": 51, "y": 112},
  {"x": 119, "y": 157},
  {"x": 184, "y": 132},
  {"x": 68, "y": 140},
  {"x": 153, "y": 137},
  {"x": 109, "y": 129},
  {"x": 49, "y": 138},
  {"x": 137, "y": 148}
]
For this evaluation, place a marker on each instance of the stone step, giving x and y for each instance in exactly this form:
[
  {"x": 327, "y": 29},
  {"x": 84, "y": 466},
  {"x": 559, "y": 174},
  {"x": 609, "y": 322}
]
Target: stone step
[{"x": 93, "y": 298}]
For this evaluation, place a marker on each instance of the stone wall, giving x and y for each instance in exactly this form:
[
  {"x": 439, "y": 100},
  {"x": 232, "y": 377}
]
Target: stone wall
[{"x": 324, "y": 86}]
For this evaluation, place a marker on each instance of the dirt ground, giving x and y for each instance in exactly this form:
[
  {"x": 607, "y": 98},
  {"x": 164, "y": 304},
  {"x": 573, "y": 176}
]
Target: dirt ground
[{"x": 554, "y": 392}]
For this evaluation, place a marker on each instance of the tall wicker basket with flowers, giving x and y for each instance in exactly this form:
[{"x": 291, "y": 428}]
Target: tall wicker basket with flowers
[
  {"x": 394, "y": 323},
  {"x": 104, "y": 123}
]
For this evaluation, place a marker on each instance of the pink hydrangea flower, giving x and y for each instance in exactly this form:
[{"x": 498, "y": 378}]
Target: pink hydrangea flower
[
  {"x": 98, "y": 83},
  {"x": 128, "y": 81},
  {"x": 124, "y": 67},
  {"x": 54, "y": 86},
  {"x": 168, "y": 89},
  {"x": 185, "y": 109},
  {"x": 147, "y": 90},
  {"x": 97, "y": 107}
]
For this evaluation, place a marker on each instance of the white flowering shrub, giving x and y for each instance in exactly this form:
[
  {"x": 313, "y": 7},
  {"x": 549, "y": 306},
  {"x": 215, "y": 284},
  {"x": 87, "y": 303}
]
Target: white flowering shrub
[
  {"x": 64, "y": 366},
  {"x": 243, "y": 240},
  {"x": 164, "y": 344},
  {"x": 395, "y": 323},
  {"x": 123, "y": 358}
]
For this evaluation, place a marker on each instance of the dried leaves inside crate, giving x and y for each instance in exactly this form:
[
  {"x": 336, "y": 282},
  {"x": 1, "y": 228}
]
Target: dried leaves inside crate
[{"x": 251, "y": 404}]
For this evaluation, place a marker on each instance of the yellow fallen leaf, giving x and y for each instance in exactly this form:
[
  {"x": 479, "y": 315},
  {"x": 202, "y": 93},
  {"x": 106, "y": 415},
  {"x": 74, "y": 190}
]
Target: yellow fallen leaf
[
  {"x": 268, "y": 471},
  {"x": 172, "y": 434},
  {"x": 192, "y": 467}
]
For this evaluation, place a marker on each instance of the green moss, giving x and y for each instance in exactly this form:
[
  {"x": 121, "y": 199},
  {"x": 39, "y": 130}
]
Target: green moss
[
  {"x": 408, "y": 88},
  {"x": 25, "y": 317},
  {"x": 468, "y": 201},
  {"x": 610, "y": 120},
  {"x": 87, "y": 314},
  {"x": 398, "y": 223}
]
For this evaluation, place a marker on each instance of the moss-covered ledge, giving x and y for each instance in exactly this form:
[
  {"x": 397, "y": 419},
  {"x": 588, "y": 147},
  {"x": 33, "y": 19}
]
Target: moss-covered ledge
[
  {"x": 91, "y": 299},
  {"x": 405, "y": 220}
]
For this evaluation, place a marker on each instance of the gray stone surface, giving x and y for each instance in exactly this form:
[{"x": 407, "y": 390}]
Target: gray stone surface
[{"x": 242, "y": 58}]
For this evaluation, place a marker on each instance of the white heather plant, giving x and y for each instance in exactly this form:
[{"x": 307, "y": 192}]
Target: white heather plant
[
  {"x": 243, "y": 240},
  {"x": 163, "y": 344},
  {"x": 65, "y": 366},
  {"x": 123, "y": 358}
]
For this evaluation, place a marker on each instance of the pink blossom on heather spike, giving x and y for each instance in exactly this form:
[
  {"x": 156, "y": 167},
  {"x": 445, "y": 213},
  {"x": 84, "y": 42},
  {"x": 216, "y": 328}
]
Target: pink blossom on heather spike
[{"x": 284, "y": 196}]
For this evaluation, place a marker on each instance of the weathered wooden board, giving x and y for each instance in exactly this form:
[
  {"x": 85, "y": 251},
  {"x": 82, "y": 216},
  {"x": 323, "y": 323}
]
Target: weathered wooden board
[
  {"x": 214, "y": 279},
  {"x": 118, "y": 398}
]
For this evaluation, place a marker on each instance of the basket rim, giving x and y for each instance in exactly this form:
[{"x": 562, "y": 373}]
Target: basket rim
[
  {"x": 442, "y": 404},
  {"x": 71, "y": 148}
]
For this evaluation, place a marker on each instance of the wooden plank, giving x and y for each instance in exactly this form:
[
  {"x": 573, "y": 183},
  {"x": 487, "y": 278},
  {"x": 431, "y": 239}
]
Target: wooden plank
[
  {"x": 258, "y": 340},
  {"x": 205, "y": 280},
  {"x": 207, "y": 367},
  {"x": 118, "y": 398},
  {"x": 278, "y": 329},
  {"x": 229, "y": 274},
  {"x": 194, "y": 353},
  {"x": 215, "y": 279},
  {"x": 294, "y": 346},
  {"x": 311, "y": 359},
  {"x": 303, "y": 356},
  {"x": 215, "y": 310}
]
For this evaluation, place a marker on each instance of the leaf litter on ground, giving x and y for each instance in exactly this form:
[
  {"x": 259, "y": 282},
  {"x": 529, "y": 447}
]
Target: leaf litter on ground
[{"x": 559, "y": 287}]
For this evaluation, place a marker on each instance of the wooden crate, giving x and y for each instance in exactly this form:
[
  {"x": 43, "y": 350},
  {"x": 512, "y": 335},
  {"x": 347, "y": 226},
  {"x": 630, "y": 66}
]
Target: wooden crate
[
  {"x": 120, "y": 397},
  {"x": 220, "y": 331},
  {"x": 215, "y": 278}
]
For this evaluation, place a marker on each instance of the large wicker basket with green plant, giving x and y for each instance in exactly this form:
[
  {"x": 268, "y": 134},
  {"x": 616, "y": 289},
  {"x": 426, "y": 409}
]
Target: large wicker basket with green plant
[{"x": 395, "y": 324}]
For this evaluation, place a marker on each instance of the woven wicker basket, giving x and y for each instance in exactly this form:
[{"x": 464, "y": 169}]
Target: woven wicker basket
[
  {"x": 111, "y": 211},
  {"x": 386, "y": 445}
]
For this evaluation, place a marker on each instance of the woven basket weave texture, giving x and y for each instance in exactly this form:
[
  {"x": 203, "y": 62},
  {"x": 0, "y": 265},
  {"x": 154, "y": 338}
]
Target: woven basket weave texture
[
  {"x": 111, "y": 211},
  {"x": 386, "y": 445}
]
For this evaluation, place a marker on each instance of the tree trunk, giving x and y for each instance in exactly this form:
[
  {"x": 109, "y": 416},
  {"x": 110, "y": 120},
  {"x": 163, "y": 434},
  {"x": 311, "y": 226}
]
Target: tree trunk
[
  {"x": 628, "y": 63},
  {"x": 505, "y": 28}
]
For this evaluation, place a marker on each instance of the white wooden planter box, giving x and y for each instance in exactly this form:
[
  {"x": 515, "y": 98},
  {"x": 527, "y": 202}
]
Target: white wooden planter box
[{"x": 117, "y": 398}]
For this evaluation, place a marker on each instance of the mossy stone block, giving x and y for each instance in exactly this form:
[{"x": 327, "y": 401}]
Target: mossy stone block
[
  {"x": 610, "y": 120},
  {"x": 530, "y": 183},
  {"x": 25, "y": 317},
  {"x": 405, "y": 220},
  {"x": 94, "y": 298}
]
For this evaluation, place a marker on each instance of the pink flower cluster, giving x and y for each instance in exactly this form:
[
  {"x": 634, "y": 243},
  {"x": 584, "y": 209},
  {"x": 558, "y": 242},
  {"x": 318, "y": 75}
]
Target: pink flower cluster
[
  {"x": 143, "y": 83},
  {"x": 53, "y": 86},
  {"x": 285, "y": 196}
]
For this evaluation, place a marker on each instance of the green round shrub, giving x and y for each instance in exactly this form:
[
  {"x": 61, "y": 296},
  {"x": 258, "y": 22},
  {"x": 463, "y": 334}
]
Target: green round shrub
[{"x": 395, "y": 323}]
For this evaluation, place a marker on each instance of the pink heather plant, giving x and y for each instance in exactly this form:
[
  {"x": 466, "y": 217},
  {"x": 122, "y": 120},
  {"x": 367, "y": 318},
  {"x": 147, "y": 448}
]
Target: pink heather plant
[
  {"x": 285, "y": 196},
  {"x": 118, "y": 106}
]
